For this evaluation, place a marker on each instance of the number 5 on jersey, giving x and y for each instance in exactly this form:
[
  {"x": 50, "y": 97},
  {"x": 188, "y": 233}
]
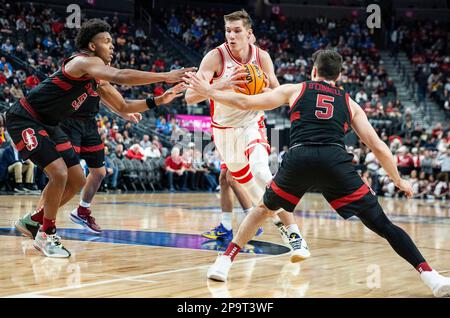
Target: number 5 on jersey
[{"x": 324, "y": 102}]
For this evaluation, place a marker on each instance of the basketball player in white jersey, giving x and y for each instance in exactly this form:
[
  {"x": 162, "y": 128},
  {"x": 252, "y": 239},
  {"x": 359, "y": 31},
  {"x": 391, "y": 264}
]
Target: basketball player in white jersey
[{"x": 240, "y": 135}]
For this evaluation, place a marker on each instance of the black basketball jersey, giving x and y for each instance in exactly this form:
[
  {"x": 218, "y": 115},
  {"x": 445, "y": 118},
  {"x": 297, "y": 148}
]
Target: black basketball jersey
[
  {"x": 89, "y": 109},
  {"x": 59, "y": 96},
  {"x": 320, "y": 114}
]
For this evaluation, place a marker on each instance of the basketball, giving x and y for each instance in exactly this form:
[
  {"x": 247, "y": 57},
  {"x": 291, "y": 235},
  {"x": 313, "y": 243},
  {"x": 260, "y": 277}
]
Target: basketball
[{"x": 255, "y": 80}]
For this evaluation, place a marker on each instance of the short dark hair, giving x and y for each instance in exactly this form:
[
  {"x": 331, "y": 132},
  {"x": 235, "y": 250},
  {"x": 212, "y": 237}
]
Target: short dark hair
[
  {"x": 328, "y": 63},
  {"x": 239, "y": 15},
  {"x": 88, "y": 30}
]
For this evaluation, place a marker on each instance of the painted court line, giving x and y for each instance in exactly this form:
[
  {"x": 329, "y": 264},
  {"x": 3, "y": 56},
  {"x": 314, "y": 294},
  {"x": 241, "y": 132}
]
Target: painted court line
[{"x": 126, "y": 278}]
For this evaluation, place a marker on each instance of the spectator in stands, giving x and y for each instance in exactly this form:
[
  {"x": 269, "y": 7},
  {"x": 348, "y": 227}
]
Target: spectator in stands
[
  {"x": 145, "y": 142},
  {"x": 152, "y": 152},
  {"x": 135, "y": 152},
  {"x": 441, "y": 188},
  {"x": 112, "y": 171},
  {"x": 16, "y": 90},
  {"x": 155, "y": 140},
  {"x": 361, "y": 96},
  {"x": 118, "y": 153},
  {"x": 127, "y": 141},
  {"x": 7, "y": 97},
  {"x": 176, "y": 176},
  {"x": 444, "y": 161},
  {"x": 12, "y": 163},
  {"x": 404, "y": 161},
  {"x": 163, "y": 127}
]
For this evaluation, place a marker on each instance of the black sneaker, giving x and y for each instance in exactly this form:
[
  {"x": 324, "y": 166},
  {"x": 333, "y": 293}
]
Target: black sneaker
[{"x": 19, "y": 188}]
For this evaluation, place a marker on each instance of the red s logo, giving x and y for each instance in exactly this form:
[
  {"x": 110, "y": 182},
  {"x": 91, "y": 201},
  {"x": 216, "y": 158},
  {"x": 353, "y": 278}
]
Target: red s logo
[{"x": 29, "y": 138}]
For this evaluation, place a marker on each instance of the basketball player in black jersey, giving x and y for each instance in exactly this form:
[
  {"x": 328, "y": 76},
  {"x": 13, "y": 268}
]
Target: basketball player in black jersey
[
  {"x": 320, "y": 116},
  {"x": 33, "y": 122}
]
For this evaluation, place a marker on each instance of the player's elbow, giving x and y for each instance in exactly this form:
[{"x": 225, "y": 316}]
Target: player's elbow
[{"x": 378, "y": 147}]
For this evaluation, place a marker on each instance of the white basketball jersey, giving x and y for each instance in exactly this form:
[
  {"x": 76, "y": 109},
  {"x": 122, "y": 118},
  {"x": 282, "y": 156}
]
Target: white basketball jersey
[{"x": 223, "y": 116}]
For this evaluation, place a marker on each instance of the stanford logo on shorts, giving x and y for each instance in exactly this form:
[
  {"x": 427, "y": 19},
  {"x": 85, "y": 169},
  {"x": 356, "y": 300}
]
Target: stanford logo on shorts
[{"x": 29, "y": 138}]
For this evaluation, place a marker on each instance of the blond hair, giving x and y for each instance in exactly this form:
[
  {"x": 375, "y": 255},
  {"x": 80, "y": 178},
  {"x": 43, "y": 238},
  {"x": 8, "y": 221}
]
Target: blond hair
[{"x": 239, "y": 15}]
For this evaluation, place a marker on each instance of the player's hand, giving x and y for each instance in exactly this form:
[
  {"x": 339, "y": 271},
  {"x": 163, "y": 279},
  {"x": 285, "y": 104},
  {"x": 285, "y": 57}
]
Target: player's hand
[
  {"x": 197, "y": 84},
  {"x": 405, "y": 186},
  {"x": 171, "y": 94},
  {"x": 237, "y": 77},
  {"x": 176, "y": 76},
  {"x": 133, "y": 117},
  {"x": 266, "y": 84}
]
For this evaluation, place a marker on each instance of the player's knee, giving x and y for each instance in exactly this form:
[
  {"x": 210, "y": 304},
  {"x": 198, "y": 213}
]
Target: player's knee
[
  {"x": 59, "y": 175},
  {"x": 266, "y": 211},
  {"x": 262, "y": 172},
  {"x": 99, "y": 174},
  {"x": 223, "y": 180}
]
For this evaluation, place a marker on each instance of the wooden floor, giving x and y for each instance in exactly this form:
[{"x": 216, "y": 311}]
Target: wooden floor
[{"x": 347, "y": 259}]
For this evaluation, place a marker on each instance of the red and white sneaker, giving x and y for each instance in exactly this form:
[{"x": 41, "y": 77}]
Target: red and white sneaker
[{"x": 85, "y": 220}]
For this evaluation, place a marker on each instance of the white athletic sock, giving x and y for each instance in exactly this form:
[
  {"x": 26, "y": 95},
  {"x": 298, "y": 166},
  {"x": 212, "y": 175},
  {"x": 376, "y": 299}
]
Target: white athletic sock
[
  {"x": 430, "y": 278},
  {"x": 247, "y": 210},
  {"x": 293, "y": 228},
  {"x": 85, "y": 204},
  {"x": 227, "y": 218}
]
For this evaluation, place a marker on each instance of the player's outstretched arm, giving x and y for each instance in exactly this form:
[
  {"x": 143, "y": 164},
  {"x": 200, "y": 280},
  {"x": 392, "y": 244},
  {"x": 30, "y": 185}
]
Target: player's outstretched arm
[
  {"x": 265, "y": 101},
  {"x": 367, "y": 134},
  {"x": 112, "y": 97},
  {"x": 95, "y": 67}
]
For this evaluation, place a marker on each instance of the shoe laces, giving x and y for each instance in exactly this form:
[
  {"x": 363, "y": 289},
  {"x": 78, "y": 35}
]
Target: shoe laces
[
  {"x": 54, "y": 239},
  {"x": 88, "y": 217},
  {"x": 295, "y": 241}
]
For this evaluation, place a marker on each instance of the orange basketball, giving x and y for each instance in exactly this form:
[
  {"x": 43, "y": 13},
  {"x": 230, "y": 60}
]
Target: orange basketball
[{"x": 254, "y": 78}]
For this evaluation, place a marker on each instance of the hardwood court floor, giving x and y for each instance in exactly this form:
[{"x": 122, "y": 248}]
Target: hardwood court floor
[{"x": 347, "y": 259}]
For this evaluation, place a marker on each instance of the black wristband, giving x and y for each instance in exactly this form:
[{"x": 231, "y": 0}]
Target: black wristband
[{"x": 150, "y": 102}]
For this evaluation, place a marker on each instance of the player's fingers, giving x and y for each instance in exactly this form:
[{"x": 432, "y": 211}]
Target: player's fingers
[{"x": 238, "y": 76}]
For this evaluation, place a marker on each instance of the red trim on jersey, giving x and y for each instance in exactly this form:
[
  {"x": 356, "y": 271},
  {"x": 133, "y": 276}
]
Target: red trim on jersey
[
  {"x": 283, "y": 194},
  {"x": 76, "y": 148},
  {"x": 211, "y": 108},
  {"x": 234, "y": 59},
  {"x": 223, "y": 64},
  {"x": 61, "y": 84},
  {"x": 302, "y": 91},
  {"x": 43, "y": 133},
  {"x": 93, "y": 148},
  {"x": 261, "y": 123},
  {"x": 295, "y": 116},
  {"x": 249, "y": 151},
  {"x": 216, "y": 125},
  {"x": 64, "y": 146},
  {"x": 23, "y": 101},
  {"x": 347, "y": 101},
  {"x": 20, "y": 145},
  {"x": 358, "y": 194},
  {"x": 246, "y": 179},
  {"x": 63, "y": 69},
  {"x": 241, "y": 173},
  {"x": 258, "y": 59}
]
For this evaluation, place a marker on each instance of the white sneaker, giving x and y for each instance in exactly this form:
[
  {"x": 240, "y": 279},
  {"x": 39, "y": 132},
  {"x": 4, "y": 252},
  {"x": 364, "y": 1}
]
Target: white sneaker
[
  {"x": 50, "y": 245},
  {"x": 299, "y": 248},
  {"x": 219, "y": 270},
  {"x": 439, "y": 285}
]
